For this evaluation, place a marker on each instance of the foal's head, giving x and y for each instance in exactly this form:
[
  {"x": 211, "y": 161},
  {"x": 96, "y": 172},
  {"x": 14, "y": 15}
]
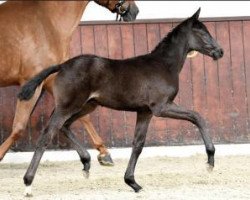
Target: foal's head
[
  {"x": 199, "y": 38},
  {"x": 127, "y": 9}
]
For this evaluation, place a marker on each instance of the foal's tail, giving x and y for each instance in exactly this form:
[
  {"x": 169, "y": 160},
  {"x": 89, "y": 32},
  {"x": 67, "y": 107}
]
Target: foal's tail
[{"x": 28, "y": 90}]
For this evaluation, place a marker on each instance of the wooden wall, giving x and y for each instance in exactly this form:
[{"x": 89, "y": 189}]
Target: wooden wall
[{"x": 219, "y": 91}]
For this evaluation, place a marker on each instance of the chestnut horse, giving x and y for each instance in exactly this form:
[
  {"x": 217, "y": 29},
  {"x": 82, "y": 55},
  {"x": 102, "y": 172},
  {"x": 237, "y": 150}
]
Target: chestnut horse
[
  {"x": 35, "y": 35},
  {"x": 146, "y": 84}
]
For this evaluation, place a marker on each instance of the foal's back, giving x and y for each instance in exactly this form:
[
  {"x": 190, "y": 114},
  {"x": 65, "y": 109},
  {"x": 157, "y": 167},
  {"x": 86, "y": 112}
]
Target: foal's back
[{"x": 119, "y": 84}]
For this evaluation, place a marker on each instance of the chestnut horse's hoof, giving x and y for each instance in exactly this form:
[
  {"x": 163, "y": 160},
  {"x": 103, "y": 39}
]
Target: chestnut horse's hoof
[{"x": 105, "y": 160}]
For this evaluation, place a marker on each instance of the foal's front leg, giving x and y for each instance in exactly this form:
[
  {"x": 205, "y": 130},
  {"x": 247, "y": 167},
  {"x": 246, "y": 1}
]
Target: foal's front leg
[
  {"x": 171, "y": 110},
  {"x": 141, "y": 128}
]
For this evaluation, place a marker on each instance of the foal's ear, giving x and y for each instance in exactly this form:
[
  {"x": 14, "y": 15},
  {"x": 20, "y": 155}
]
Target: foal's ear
[{"x": 196, "y": 14}]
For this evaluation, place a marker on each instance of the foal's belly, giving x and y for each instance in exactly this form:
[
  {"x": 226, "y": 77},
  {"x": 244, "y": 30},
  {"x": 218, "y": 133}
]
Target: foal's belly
[{"x": 119, "y": 101}]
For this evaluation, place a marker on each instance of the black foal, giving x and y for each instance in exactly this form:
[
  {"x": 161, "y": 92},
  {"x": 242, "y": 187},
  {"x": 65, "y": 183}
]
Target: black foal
[{"x": 145, "y": 84}]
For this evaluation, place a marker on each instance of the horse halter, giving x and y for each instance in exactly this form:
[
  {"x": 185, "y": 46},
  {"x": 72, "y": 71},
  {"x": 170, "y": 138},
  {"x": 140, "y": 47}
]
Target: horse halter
[{"x": 119, "y": 9}]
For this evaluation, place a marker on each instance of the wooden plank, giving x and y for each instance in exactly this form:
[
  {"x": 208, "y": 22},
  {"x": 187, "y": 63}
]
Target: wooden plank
[
  {"x": 75, "y": 44},
  {"x": 101, "y": 40},
  {"x": 127, "y": 36},
  {"x": 115, "y": 51},
  {"x": 199, "y": 90},
  {"x": 238, "y": 72},
  {"x": 186, "y": 100},
  {"x": 165, "y": 28},
  {"x": 7, "y": 110},
  {"x": 153, "y": 35},
  {"x": 114, "y": 41},
  {"x": 246, "y": 35},
  {"x": 228, "y": 133},
  {"x": 87, "y": 40},
  {"x": 140, "y": 39},
  {"x": 212, "y": 90}
]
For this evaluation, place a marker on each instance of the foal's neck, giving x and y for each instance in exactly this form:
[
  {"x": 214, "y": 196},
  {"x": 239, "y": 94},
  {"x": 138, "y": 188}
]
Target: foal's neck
[
  {"x": 64, "y": 16},
  {"x": 173, "y": 50}
]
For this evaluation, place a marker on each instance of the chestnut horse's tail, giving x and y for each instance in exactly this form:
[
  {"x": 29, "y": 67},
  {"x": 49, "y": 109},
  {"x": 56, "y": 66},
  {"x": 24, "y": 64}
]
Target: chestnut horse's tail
[{"x": 28, "y": 90}]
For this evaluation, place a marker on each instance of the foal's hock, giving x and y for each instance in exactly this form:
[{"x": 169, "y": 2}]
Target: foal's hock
[{"x": 145, "y": 84}]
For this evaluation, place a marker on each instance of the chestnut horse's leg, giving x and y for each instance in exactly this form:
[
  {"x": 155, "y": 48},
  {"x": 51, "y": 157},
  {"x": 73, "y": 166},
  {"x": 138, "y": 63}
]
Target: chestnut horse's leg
[
  {"x": 171, "y": 110},
  {"x": 22, "y": 115},
  {"x": 141, "y": 128},
  {"x": 104, "y": 157}
]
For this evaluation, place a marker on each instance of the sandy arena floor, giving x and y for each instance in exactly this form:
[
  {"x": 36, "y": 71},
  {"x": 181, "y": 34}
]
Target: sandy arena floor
[{"x": 161, "y": 178}]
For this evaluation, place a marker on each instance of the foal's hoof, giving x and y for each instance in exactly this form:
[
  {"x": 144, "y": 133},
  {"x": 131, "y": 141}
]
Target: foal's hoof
[
  {"x": 137, "y": 189},
  {"x": 209, "y": 168},
  {"x": 105, "y": 160},
  {"x": 28, "y": 191},
  {"x": 85, "y": 174}
]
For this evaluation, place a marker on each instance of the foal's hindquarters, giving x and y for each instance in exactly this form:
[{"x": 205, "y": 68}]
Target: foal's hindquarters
[{"x": 68, "y": 108}]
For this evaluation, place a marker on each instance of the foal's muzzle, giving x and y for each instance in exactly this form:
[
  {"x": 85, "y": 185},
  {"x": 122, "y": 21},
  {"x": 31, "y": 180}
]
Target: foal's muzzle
[{"x": 217, "y": 53}]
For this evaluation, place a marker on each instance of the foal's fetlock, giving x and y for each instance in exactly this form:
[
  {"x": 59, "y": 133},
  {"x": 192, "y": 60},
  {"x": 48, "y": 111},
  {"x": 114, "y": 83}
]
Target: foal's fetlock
[
  {"x": 210, "y": 154},
  {"x": 85, "y": 174},
  {"x": 129, "y": 180},
  {"x": 27, "y": 180},
  {"x": 86, "y": 166}
]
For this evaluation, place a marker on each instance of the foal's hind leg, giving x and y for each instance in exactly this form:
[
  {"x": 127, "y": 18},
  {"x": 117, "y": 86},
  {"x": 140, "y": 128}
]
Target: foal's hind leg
[
  {"x": 55, "y": 124},
  {"x": 171, "y": 110},
  {"x": 104, "y": 157},
  {"x": 83, "y": 153},
  {"x": 22, "y": 115}
]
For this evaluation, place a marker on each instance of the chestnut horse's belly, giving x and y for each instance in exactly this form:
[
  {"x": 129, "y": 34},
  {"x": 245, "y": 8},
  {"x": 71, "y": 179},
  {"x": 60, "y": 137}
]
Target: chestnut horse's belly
[{"x": 9, "y": 67}]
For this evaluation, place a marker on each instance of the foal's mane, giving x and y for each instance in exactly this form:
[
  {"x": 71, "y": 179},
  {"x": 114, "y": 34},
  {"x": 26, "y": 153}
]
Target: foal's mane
[{"x": 164, "y": 43}]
